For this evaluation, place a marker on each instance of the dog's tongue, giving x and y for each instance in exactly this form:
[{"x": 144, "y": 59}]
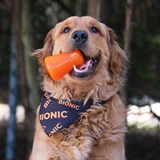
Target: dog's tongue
[{"x": 84, "y": 67}]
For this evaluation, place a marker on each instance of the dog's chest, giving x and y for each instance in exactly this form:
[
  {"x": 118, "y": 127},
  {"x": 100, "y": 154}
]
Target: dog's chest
[
  {"x": 79, "y": 138},
  {"x": 91, "y": 124}
]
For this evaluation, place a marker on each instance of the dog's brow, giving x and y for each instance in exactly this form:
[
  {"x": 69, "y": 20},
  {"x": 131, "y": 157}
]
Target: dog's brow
[{"x": 70, "y": 22}]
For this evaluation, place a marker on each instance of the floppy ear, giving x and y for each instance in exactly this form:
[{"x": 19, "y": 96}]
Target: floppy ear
[
  {"x": 117, "y": 55},
  {"x": 46, "y": 51}
]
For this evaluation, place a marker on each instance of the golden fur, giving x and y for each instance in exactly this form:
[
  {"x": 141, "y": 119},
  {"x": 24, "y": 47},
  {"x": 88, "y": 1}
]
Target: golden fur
[{"x": 99, "y": 135}]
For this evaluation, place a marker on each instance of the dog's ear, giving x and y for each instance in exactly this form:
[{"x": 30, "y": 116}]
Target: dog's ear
[
  {"x": 46, "y": 51},
  {"x": 117, "y": 55}
]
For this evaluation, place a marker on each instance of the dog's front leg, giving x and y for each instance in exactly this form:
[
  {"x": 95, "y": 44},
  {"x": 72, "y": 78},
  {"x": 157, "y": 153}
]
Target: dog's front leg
[
  {"x": 45, "y": 149},
  {"x": 81, "y": 149},
  {"x": 110, "y": 144},
  {"x": 109, "y": 151},
  {"x": 77, "y": 145}
]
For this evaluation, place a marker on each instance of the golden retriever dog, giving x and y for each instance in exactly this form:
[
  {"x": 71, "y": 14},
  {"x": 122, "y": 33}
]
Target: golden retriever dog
[{"x": 99, "y": 133}]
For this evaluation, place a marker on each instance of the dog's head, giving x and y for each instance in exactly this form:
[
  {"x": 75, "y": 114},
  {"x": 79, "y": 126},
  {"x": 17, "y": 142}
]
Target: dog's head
[{"x": 103, "y": 57}]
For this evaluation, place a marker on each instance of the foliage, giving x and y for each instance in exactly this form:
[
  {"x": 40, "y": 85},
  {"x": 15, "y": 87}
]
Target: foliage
[
  {"x": 145, "y": 68},
  {"x": 143, "y": 75},
  {"x": 47, "y": 14}
]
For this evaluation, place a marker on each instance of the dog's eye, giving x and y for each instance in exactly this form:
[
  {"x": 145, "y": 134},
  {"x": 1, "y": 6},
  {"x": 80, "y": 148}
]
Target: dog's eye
[
  {"x": 66, "y": 30},
  {"x": 94, "y": 29}
]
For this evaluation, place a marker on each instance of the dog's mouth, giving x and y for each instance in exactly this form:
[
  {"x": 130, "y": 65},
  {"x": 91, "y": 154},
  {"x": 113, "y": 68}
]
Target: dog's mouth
[{"x": 87, "y": 69}]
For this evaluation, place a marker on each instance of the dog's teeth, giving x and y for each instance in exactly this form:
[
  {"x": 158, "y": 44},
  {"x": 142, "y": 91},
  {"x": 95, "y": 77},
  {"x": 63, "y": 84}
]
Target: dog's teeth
[
  {"x": 74, "y": 67},
  {"x": 85, "y": 69}
]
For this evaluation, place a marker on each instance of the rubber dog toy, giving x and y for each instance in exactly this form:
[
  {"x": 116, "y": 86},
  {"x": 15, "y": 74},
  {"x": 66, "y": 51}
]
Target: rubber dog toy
[{"x": 61, "y": 64}]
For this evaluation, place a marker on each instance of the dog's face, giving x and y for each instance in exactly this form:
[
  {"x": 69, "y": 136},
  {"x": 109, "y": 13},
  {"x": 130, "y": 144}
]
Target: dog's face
[
  {"x": 103, "y": 56},
  {"x": 86, "y": 34}
]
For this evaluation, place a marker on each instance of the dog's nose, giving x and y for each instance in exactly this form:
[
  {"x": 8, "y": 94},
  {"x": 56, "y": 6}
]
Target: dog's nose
[{"x": 80, "y": 36}]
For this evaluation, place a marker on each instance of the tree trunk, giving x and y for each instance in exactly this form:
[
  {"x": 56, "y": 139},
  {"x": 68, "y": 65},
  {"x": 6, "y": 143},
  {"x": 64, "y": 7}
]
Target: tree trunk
[
  {"x": 81, "y": 8},
  {"x": 13, "y": 99},
  {"x": 93, "y": 8},
  {"x": 127, "y": 45},
  {"x": 30, "y": 64},
  {"x": 100, "y": 10},
  {"x": 20, "y": 55},
  {"x": 21, "y": 72},
  {"x": 105, "y": 11}
]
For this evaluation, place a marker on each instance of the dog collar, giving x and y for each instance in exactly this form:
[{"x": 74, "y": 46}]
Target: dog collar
[{"x": 55, "y": 114}]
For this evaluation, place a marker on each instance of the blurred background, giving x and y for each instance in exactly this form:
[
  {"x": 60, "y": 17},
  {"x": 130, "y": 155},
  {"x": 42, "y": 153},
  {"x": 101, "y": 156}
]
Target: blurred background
[{"x": 24, "y": 25}]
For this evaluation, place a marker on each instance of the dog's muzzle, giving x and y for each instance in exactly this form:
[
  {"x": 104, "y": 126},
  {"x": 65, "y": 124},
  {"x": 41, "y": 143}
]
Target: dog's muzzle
[{"x": 79, "y": 39}]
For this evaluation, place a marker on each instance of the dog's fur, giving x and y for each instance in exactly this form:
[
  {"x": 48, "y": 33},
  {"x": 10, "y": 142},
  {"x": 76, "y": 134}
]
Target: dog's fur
[{"x": 99, "y": 135}]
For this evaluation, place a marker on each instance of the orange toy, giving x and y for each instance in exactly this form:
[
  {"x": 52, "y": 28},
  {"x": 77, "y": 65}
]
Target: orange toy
[{"x": 61, "y": 64}]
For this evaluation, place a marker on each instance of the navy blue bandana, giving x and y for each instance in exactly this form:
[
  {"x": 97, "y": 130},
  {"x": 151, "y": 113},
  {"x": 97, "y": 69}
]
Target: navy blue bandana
[{"x": 55, "y": 114}]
